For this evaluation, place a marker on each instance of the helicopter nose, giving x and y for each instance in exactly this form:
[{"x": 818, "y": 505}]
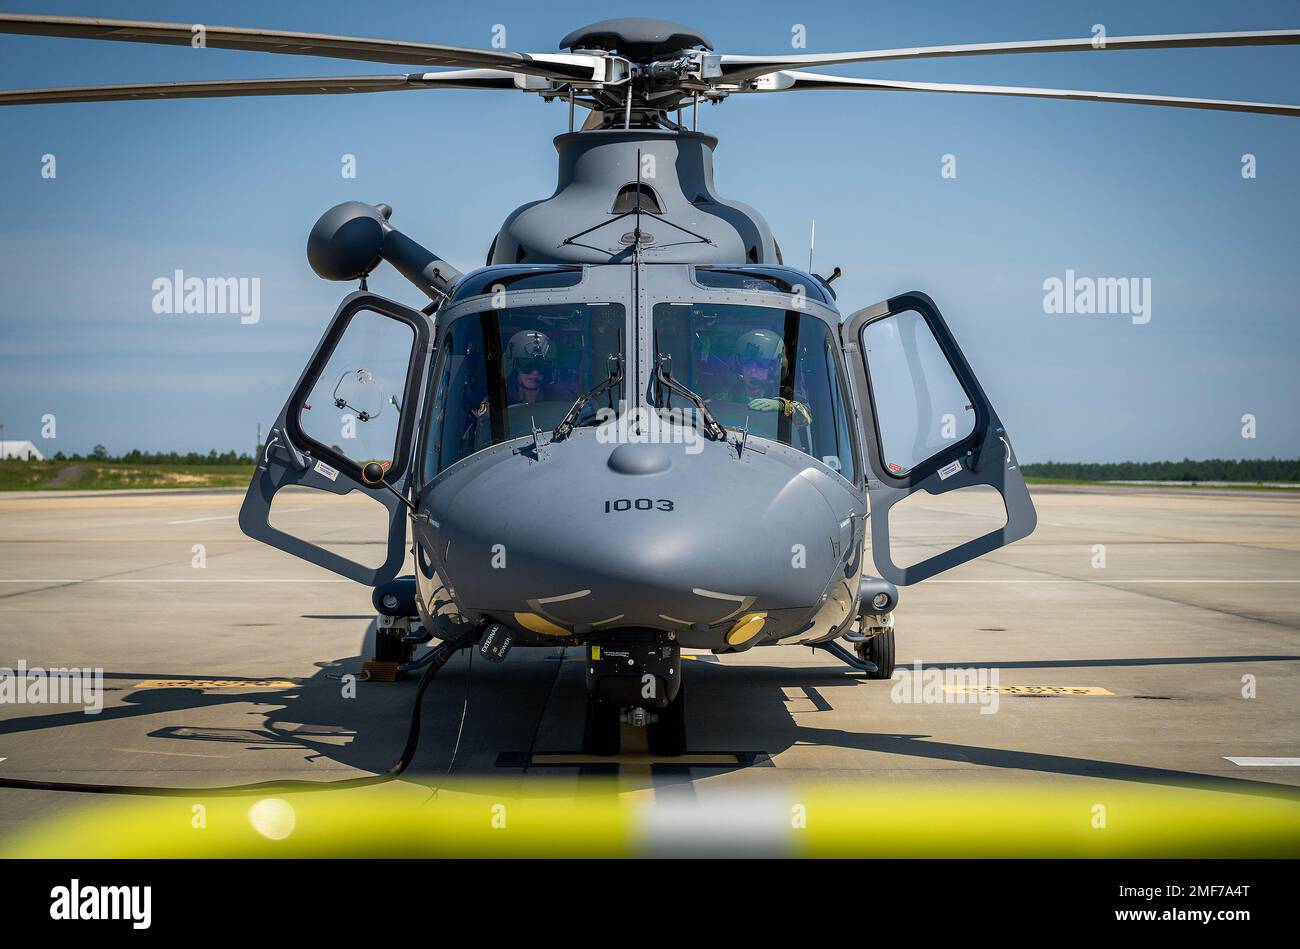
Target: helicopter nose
[{"x": 586, "y": 537}]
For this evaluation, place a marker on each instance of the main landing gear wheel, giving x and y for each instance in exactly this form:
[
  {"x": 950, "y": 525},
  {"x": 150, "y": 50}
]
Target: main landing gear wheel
[
  {"x": 667, "y": 735},
  {"x": 602, "y": 735},
  {"x": 880, "y": 650}
]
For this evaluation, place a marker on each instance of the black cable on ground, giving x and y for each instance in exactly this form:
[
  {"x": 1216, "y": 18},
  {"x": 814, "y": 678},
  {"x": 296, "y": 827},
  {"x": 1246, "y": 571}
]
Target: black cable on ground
[
  {"x": 443, "y": 652},
  {"x": 546, "y": 702},
  {"x": 460, "y": 731}
]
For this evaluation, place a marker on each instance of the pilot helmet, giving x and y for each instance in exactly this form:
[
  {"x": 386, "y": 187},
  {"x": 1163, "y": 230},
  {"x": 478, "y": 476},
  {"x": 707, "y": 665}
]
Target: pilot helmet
[
  {"x": 762, "y": 348},
  {"x": 529, "y": 350}
]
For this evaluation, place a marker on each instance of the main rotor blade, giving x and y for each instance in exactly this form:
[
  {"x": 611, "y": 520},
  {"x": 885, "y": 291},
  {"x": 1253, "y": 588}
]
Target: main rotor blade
[
  {"x": 737, "y": 68},
  {"x": 549, "y": 65},
  {"x": 793, "y": 81},
  {"x": 305, "y": 86},
  {"x": 473, "y": 79}
]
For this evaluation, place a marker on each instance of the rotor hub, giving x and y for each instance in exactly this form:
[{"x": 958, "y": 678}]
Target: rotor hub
[{"x": 638, "y": 39}]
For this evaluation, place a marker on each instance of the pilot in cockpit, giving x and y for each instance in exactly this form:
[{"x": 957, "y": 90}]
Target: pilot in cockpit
[
  {"x": 530, "y": 360},
  {"x": 759, "y": 364}
]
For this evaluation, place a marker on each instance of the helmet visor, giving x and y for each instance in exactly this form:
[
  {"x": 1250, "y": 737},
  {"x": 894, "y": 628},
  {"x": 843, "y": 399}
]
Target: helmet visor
[
  {"x": 527, "y": 364},
  {"x": 758, "y": 366}
]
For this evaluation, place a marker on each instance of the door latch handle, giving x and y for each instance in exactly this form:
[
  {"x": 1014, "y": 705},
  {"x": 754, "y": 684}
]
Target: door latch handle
[{"x": 279, "y": 448}]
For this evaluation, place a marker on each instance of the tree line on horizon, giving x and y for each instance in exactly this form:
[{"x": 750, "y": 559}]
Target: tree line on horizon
[
  {"x": 1211, "y": 469},
  {"x": 137, "y": 457}
]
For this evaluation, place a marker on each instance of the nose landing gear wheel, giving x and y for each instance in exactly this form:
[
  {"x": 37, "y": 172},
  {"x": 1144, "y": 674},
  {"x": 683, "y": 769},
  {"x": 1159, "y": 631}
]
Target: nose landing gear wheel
[
  {"x": 880, "y": 650},
  {"x": 602, "y": 733},
  {"x": 667, "y": 735}
]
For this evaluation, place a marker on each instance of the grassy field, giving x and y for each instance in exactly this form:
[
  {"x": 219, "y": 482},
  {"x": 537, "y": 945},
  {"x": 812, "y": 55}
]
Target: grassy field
[{"x": 106, "y": 475}]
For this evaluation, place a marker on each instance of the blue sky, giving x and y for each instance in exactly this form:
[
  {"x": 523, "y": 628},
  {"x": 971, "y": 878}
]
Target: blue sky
[{"x": 230, "y": 187}]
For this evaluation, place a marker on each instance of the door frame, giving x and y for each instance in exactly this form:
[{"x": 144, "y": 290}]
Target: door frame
[{"x": 983, "y": 457}]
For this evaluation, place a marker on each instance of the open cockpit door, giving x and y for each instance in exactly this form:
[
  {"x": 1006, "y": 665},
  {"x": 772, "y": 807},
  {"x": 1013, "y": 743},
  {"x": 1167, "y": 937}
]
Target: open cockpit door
[
  {"x": 927, "y": 425},
  {"x": 354, "y": 404}
]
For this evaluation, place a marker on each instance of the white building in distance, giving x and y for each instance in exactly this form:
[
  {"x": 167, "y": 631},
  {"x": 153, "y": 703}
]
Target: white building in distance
[{"x": 21, "y": 451}]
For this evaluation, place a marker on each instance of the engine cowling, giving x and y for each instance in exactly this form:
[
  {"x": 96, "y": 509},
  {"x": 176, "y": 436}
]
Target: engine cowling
[{"x": 585, "y": 220}]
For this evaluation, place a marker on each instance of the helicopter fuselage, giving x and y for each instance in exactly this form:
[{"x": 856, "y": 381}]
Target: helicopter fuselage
[
  {"x": 635, "y": 430},
  {"x": 648, "y": 524}
]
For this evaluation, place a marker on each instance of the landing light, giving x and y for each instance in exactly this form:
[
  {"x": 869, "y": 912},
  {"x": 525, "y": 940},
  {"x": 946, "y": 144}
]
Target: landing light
[
  {"x": 536, "y": 624},
  {"x": 746, "y": 628}
]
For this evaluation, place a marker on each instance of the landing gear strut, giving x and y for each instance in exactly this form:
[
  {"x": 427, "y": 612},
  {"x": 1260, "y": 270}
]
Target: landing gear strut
[
  {"x": 878, "y": 647},
  {"x": 873, "y": 642},
  {"x": 635, "y": 677},
  {"x": 395, "y": 641},
  {"x": 391, "y": 643}
]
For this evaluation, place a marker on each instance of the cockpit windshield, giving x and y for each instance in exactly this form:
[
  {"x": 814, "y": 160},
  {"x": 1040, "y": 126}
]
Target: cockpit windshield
[
  {"x": 776, "y": 372},
  {"x": 503, "y": 371}
]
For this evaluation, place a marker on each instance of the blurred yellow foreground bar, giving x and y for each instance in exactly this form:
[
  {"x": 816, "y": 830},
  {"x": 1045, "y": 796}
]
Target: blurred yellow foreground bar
[{"x": 548, "y": 818}]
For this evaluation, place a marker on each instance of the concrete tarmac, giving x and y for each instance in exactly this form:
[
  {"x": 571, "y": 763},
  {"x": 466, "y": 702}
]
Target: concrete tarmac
[{"x": 1143, "y": 635}]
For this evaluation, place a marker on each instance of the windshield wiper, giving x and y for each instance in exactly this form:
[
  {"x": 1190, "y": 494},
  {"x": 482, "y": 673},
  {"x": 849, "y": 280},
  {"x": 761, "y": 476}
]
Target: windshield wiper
[
  {"x": 664, "y": 376},
  {"x": 571, "y": 417}
]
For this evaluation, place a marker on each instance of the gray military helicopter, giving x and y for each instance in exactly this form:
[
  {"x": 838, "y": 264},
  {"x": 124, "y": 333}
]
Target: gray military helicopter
[{"x": 635, "y": 429}]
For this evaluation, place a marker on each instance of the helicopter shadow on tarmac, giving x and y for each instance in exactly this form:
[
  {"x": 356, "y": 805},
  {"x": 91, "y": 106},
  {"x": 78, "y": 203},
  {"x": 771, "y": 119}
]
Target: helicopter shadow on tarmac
[
  {"x": 756, "y": 701},
  {"x": 525, "y": 717}
]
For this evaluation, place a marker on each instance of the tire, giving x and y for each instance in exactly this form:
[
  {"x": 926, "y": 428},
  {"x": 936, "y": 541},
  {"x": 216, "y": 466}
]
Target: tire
[
  {"x": 603, "y": 732},
  {"x": 667, "y": 736},
  {"x": 880, "y": 650}
]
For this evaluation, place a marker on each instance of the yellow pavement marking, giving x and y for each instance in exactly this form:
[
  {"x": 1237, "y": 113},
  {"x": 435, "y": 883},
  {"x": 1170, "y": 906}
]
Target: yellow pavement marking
[
  {"x": 216, "y": 684},
  {"x": 1031, "y": 689}
]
